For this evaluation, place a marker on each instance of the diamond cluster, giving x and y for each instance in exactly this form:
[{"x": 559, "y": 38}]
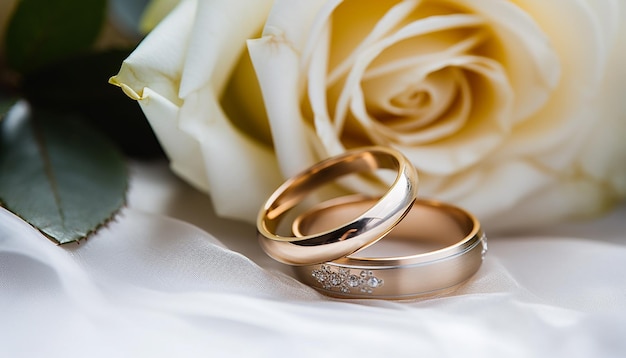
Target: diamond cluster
[{"x": 344, "y": 280}]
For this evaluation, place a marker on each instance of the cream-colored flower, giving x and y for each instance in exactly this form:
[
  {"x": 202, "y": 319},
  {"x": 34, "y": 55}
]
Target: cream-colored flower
[
  {"x": 511, "y": 109},
  {"x": 499, "y": 104},
  {"x": 179, "y": 74}
]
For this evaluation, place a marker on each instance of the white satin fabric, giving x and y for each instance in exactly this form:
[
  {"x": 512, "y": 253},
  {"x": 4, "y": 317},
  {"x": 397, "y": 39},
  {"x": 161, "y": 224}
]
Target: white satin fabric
[{"x": 168, "y": 278}]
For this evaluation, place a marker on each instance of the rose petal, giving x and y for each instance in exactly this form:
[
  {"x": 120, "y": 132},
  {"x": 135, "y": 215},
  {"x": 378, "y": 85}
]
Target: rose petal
[
  {"x": 380, "y": 81},
  {"x": 495, "y": 188},
  {"x": 387, "y": 22},
  {"x": 299, "y": 22},
  {"x": 530, "y": 60},
  {"x": 204, "y": 147},
  {"x": 445, "y": 156},
  {"x": 158, "y": 60},
  {"x": 277, "y": 67},
  {"x": 217, "y": 40},
  {"x": 241, "y": 172},
  {"x": 278, "y": 62},
  {"x": 596, "y": 161},
  {"x": 415, "y": 99},
  {"x": 541, "y": 136},
  {"x": 325, "y": 132},
  {"x": 555, "y": 201},
  {"x": 457, "y": 114},
  {"x": 447, "y": 117},
  {"x": 352, "y": 85},
  {"x": 183, "y": 151},
  {"x": 586, "y": 52}
]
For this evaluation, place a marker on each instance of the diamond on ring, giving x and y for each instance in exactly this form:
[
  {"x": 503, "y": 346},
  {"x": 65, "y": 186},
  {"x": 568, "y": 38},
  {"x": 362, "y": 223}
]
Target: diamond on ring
[{"x": 343, "y": 280}]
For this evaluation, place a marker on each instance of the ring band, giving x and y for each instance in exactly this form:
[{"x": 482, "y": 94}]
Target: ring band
[
  {"x": 462, "y": 246},
  {"x": 351, "y": 235}
]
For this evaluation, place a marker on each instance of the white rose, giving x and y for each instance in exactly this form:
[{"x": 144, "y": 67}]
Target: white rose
[
  {"x": 511, "y": 109},
  {"x": 179, "y": 74}
]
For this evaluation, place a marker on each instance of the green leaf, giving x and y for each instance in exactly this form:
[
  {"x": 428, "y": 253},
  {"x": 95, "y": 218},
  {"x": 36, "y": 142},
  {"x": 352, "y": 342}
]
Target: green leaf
[
  {"x": 59, "y": 175},
  {"x": 80, "y": 84},
  {"x": 44, "y": 31}
]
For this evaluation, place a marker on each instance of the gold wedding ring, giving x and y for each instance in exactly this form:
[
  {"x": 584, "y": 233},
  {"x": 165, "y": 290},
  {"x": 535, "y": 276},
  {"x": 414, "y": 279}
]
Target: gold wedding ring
[
  {"x": 329, "y": 242},
  {"x": 456, "y": 246},
  {"x": 349, "y": 236}
]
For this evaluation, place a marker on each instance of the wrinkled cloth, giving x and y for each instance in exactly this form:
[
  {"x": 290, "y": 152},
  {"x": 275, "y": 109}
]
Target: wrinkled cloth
[{"x": 169, "y": 278}]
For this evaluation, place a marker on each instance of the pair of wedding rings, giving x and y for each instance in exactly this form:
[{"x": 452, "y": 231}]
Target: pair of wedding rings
[{"x": 326, "y": 240}]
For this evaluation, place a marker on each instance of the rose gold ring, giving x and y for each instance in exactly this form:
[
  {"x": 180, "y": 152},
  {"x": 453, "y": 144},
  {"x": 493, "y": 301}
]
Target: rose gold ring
[
  {"x": 349, "y": 236},
  {"x": 451, "y": 249}
]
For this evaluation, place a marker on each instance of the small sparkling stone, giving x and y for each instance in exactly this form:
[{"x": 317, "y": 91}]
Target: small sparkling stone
[
  {"x": 373, "y": 282},
  {"x": 353, "y": 280},
  {"x": 320, "y": 276},
  {"x": 335, "y": 279}
]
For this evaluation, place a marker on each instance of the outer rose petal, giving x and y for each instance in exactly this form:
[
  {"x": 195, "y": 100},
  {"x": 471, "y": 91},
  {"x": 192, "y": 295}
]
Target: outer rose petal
[
  {"x": 609, "y": 169},
  {"x": 278, "y": 64},
  {"x": 298, "y": 20},
  {"x": 202, "y": 144},
  {"x": 571, "y": 159},
  {"x": 533, "y": 67}
]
